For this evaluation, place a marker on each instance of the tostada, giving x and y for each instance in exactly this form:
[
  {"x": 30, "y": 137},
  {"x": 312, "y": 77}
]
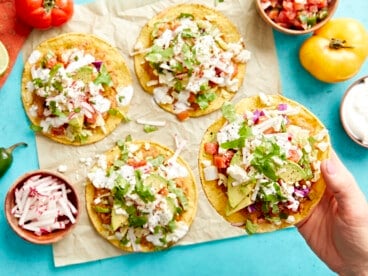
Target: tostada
[
  {"x": 76, "y": 88},
  {"x": 259, "y": 163},
  {"x": 141, "y": 196},
  {"x": 191, "y": 59}
]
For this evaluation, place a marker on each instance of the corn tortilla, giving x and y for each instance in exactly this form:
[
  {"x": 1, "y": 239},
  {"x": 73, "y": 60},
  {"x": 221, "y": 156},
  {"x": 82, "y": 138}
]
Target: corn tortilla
[
  {"x": 217, "y": 194},
  {"x": 188, "y": 186},
  {"x": 103, "y": 53},
  {"x": 230, "y": 34}
]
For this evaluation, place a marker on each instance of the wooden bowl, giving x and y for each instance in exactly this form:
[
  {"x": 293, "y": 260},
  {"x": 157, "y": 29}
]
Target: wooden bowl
[
  {"x": 331, "y": 10},
  {"x": 353, "y": 109},
  {"x": 45, "y": 238}
]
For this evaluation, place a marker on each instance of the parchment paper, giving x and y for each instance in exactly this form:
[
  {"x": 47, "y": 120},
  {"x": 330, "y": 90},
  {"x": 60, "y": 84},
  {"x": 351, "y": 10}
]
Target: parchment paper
[{"x": 119, "y": 22}]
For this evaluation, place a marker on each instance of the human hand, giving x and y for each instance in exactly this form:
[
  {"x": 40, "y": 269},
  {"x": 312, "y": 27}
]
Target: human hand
[{"x": 337, "y": 229}]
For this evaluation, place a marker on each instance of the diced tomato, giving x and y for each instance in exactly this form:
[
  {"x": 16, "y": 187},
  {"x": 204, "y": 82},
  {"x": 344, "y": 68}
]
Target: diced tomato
[
  {"x": 192, "y": 98},
  {"x": 319, "y": 3},
  {"x": 182, "y": 116},
  {"x": 220, "y": 161},
  {"x": 211, "y": 147},
  {"x": 288, "y": 5},
  {"x": 299, "y": 6},
  {"x": 136, "y": 163},
  {"x": 58, "y": 130}
]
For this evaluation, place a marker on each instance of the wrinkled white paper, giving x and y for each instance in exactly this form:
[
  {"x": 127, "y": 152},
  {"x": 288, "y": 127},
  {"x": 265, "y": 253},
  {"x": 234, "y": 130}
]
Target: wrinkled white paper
[{"x": 119, "y": 23}]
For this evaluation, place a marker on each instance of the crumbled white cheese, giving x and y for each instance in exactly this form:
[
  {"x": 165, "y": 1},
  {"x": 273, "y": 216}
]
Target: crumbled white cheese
[
  {"x": 86, "y": 161},
  {"x": 34, "y": 57},
  {"x": 62, "y": 168},
  {"x": 323, "y": 146},
  {"x": 124, "y": 95},
  {"x": 210, "y": 173},
  {"x": 238, "y": 174},
  {"x": 290, "y": 219}
]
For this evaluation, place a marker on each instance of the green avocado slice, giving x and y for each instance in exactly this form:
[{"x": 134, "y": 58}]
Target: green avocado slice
[
  {"x": 117, "y": 220},
  {"x": 291, "y": 173},
  {"x": 239, "y": 196}
]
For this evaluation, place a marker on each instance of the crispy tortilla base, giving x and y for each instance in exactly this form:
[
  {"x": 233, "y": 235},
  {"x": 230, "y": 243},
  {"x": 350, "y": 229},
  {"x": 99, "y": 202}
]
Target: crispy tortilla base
[
  {"x": 190, "y": 190},
  {"x": 231, "y": 34},
  {"x": 217, "y": 194},
  {"x": 101, "y": 50}
]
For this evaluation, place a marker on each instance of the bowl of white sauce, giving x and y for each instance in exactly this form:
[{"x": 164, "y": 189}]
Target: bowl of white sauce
[{"x": 354, "y": 111}]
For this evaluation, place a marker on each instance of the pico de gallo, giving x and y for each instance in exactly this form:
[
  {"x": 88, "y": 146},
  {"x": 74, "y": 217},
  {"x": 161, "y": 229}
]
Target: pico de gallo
[{"x": 296, "y": 14}]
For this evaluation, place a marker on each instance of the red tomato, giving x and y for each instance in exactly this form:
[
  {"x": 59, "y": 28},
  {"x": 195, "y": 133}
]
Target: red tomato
[
  {"x": 220, "y": 161},
  {"x": 43, "y": 14},
  {"x": 58, "y": 130},
  {"x": 211, "y": 148},
  {"x": 182, "y": 116},
  {"x": 192, "y": 98},
  {"x": 136, "y": 163}
]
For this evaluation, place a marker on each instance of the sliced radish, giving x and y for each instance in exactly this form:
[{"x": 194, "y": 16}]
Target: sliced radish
[{"x": 42, "y": 205}]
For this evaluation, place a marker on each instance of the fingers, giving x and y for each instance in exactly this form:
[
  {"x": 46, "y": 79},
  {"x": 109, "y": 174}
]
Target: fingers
[{"x": 341, "y": 183}]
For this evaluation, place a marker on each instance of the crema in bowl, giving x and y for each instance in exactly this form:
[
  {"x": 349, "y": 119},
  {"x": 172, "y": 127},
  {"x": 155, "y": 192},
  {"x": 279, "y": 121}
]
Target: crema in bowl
[{"x": 354, "y": 111}]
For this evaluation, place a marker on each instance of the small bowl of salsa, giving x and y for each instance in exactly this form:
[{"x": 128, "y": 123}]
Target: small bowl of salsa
[
  {"x": 354, "y": 111},
  {"x": 296, "y": 17}
]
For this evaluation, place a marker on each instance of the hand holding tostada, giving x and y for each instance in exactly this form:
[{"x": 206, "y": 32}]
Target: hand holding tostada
[{"x": 265, "y": 164}]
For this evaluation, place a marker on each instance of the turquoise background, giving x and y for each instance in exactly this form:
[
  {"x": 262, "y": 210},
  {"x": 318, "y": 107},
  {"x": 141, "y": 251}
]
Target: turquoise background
[{"x": 279, "y": 253}]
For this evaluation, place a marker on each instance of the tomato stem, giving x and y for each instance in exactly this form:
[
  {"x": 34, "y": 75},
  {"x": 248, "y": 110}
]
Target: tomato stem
[
  {"x": 48, "y": 5},
  {"x": 336, "y": 43}
]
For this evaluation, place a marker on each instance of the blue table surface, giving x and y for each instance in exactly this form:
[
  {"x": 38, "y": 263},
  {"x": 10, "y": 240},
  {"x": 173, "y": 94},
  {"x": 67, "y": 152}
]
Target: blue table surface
[{"x": 279, "y": 253}]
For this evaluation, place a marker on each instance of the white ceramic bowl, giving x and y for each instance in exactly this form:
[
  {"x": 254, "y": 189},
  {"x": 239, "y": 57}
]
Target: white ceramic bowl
[{"x": 354, "y": 111}]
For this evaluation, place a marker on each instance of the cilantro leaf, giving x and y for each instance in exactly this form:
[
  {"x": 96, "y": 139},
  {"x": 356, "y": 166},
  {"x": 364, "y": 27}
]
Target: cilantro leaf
[
  {"x": 103, "y": 77},
  {"x": 244, "y": 132},
  {"x": 120, "y": 188},
  {"x": 263, "y": 158},
  {"x": 141, "y": 190},
  {"x": 203, "y": 99}
]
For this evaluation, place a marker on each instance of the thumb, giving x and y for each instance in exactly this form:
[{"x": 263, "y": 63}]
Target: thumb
[{"x": 341, "y": 183}]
